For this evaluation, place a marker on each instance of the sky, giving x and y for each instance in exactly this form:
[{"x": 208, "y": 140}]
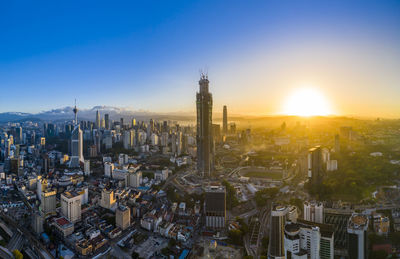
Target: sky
[{"x": 146, "y": 55}]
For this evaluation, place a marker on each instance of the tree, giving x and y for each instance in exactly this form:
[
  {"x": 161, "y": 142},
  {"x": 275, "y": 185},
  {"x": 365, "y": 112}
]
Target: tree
[
  {"x": 263, "y": 195},
  {"x": 236, "y": 237},
  {"x": 17, "y": 254},
  {"x": 378, "y": 254},
  {"x": 231, "y": 199},
  {"x": 135, "y": 255},
  {"x": 171, "y": 242},
  {"x": 165, "y": 251}
]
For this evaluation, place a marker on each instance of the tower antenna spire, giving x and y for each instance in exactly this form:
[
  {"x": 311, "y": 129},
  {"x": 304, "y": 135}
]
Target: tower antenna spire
[{"x": 75, "y": 110}]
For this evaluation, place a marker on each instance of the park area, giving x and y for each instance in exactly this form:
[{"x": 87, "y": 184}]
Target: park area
[{"x": 274, "y": 175}]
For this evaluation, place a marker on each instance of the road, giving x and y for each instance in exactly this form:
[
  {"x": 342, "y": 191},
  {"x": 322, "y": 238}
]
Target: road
[{"x": 34, "y": 243}]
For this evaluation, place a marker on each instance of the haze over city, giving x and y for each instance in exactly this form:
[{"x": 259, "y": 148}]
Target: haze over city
[
  {"x": 200, "y": 129},
  {"x": 144, "y": 56}
]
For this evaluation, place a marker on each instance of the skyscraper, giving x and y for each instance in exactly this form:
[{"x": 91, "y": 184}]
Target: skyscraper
[
  {"x": 225, "y": 121},
  {"x": 98, "y": 125},
  {"x": 315, "y": 165},
  {"x": 276, "y": 235},
  {"x": 205, "y": 150},
  {"x": 357, "y": 229},
  {"x": 107, "y": 121},
  {"x": 76, "y": 143}
]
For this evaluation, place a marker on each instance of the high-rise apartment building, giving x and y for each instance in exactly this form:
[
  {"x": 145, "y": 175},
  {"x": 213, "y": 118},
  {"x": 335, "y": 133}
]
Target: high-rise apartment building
[
  {"x": 133, "y": 179},
  {"x": 314, "y": 212},
  {"x": 215, "y": 207},
  {"x": 205, "y": 149}
]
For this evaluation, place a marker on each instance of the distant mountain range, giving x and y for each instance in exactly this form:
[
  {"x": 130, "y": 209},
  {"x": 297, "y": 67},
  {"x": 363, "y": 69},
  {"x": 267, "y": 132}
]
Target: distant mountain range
[{"x": 115, "y": 113}]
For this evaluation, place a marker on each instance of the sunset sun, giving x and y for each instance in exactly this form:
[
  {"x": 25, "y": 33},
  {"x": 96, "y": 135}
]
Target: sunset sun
[{"x": 306, "y": 102}]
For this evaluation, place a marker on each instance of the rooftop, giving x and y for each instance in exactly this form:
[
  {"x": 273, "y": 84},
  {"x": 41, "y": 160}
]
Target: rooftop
[
  {"x": 62, "y": 221},
  {"x": 358, "y": 222}
]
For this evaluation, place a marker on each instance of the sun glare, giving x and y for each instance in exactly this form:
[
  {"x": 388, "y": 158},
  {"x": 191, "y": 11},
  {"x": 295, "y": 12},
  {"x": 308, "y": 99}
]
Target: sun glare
[{"x": 306, "y": 102}]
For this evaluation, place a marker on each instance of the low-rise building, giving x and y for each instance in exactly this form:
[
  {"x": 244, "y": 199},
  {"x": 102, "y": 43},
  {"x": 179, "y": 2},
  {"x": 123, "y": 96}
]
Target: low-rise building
[{"x": 63, "y": 227}]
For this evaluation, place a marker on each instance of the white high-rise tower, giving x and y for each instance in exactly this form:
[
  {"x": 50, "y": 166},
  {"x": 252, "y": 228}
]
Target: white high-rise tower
[{"x": 76, "y": 143}]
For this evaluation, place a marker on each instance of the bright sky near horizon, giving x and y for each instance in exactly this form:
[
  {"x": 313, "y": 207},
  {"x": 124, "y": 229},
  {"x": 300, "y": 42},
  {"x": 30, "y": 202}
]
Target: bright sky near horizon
[{"x": 147, "y": 54}]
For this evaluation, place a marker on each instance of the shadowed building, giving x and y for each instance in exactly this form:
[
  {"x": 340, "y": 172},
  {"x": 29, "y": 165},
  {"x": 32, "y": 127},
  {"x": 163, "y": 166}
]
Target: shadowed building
[
  {"x": 357, "y": 230},
  {"x": 315, "y": 165},
  {"x": 276, "y": 247},
  {"x": 205, "y": 150},
  {"x": 215, "y": 207},
  {"x": 225, "y": 121}
]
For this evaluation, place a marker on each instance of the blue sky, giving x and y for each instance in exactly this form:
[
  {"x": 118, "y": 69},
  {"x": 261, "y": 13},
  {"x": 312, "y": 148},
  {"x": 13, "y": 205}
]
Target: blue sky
[{"x": 147, "y": 54}]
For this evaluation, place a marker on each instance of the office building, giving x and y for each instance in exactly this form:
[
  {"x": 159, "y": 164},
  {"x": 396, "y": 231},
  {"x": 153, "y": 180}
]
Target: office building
[
  {"x": 306, "y": 239},
  {"x": 314, "y": 212},
  {"x": 205, "y": 149},
  {"x": 315, "y": 165},
  {"x": 276, "y": 247},
  {"x": 338, "y": 218},
  {"x": 98, "y": 122},
  {"x": 225, "y": 120},
  {"x": 126, "y": 139},
  {"x": 76, "y": 144},
  {"x": 107, "y": 121},
  {"x": 92, "y": 151},
  {"x": 71, "y": 203},
  {"x": 215, "y": 207},
  {"x": 216, "y": 133},
  {"x": 357, "y": 229},
  {"x": 179, "y": 145},
  {"x": 48, "y": 202},
  {"x": 123, "y": 217},
  {"x": 292, "y": 242},
  {"x": 87, "y": 167},
  {"x": 43, "y": 141}
]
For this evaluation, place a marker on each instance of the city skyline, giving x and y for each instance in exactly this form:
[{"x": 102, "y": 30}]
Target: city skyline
[
  {"x": 200, "y": 129},
  {"x": 118, "y": 56}
]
